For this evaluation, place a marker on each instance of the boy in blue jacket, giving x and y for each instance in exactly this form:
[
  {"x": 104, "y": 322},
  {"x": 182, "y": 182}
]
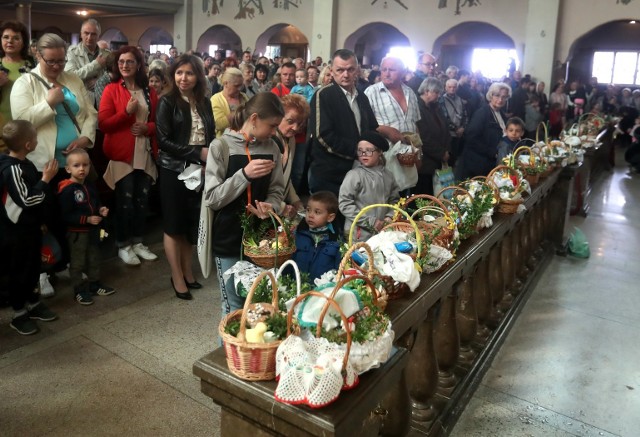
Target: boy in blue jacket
[
  {"x": 317, "y": 242},
  {"x": 82, "y": 213}
]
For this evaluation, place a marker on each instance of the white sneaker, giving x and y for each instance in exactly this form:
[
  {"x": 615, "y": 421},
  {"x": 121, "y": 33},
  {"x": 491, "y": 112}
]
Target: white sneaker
[
  {"x": 46, "y": 290},
  {"x": 143, "y": 252},
  {"x": 127, "y": 255}
]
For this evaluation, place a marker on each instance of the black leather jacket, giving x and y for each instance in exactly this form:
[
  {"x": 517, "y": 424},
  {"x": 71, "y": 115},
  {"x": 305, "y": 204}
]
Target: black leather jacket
[{"x": 173, "y": 126}]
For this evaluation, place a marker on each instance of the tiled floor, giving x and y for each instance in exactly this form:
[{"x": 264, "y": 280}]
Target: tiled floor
[{"x": 570, "y": 366}]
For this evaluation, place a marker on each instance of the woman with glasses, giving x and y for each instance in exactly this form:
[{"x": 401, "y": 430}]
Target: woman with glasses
[
  {"x": 14, "y": 61},
  {"x": 483, "y": 133},
  {"x": 127, "y": 118},
  {"x": 57, "y": 104}
]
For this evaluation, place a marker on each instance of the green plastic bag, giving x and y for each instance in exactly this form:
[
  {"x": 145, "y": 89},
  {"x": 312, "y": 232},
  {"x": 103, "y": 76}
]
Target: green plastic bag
[{"x": 578, "y": 244}]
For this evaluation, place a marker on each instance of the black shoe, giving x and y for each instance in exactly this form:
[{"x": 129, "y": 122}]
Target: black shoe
[
  {"x": 41, "y": 312},
  {"x": 195, "y": 285},
  {"x": 24, "y": 325},
  {"x": 184, "y": 296}
]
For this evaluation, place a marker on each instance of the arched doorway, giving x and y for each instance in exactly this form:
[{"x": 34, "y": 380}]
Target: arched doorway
[
  {"x": 155, "y": 36},
  {"x": 115, "y": 38},
  {"x": 612, "y": 38},
  {"x": 456, "y": 46},
  {"x": 221, "y": 36},
  {"x": 282, "y": 40},
  {"x": 372, "y": 42}
]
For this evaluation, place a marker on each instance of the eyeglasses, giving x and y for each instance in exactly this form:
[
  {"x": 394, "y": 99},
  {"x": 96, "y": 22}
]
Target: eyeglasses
[
  {"x": 126, "y": 62},
  {"x": 53, "y": 63},
  {"x": 11, "y": 38},
  {"x": 501, "y": 97},
  {"x": 368, "y": 152},
  {"x": 428, "y": 64}
]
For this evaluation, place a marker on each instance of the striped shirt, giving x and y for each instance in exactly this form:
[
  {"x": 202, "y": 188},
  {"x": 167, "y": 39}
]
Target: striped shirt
[{"x": 388, "y": 111}]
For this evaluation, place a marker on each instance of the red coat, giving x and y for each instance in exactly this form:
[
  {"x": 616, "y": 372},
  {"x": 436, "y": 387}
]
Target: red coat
[{"x": 119, "y": 142}]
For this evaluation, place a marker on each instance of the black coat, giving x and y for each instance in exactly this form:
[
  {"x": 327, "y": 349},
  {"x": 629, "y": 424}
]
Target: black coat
[
  {"x": 173, "y": 127},
  {"x": 435, "y": 136},
  {"x": 482, "y": 136},
  {"x": 334, "y": 134}
]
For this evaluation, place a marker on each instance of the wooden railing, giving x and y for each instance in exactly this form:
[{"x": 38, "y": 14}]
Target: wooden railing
[{"x": 447, "y": 333}]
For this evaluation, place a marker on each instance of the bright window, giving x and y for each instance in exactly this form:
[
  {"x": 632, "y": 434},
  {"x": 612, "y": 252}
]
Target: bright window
[
  {"x": 212, "y": 49},
  {"x": 616, "y": 67},
  {"x": 162, "y": 48},
  {"x": 494, "y": 63},
  {"x": 407, "y": 54}
]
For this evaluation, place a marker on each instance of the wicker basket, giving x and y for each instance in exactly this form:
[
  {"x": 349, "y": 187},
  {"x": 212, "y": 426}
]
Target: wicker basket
[
  {"x": 506, "y": 206},
  {"x": 446, "y": 237},
  {"x": 466, "y": 229},
  {"x": 410, "y": 159},
  {"x": 370, "y": 272},
  {"x": 250, "y": 361},
  {"x": 268, "y": 257},
  {"x": 529, "y": 169},
  {"x": 394, "y": 289}
]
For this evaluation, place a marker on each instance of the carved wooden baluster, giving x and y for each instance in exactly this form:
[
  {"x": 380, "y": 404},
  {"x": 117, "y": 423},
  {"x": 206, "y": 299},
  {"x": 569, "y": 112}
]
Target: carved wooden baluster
[
  {"x": 539, "y": 251},
  {"x": 487, "y": 317},
  {"x": 507, "y": 261},
  {"x": 546, "y": 217},
  {"x": 532, "y": 260},
  {"x": 523, "y": 270},
  {"x": 518, "y": 259},
  {"x": 422, "y": 371},
  {"x": 447, "y": 344},
  {"x": 467, "y": 321},
  {"x": 393, "y": 415},
  {"x": 496, "y": 281}
]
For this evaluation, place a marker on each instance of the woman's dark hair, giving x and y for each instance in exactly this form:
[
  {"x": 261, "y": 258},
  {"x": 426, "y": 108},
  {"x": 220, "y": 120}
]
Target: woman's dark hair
[
  {"x": 197, "y": 66},
  {"x": 263, "y": 68},
  {"x": 17, "y": 26},
  {"x": 159, "y": 74},
  {"x": 140, "y": 77},
  {"x": 266, "y": 105},
  {"x": 373, "y": 74}
]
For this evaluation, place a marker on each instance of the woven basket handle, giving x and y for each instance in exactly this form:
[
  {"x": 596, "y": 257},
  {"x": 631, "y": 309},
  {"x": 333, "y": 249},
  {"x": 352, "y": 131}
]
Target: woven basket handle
[
  {"x": 519, "y": 150},
  {"x": 546, "y": 132},
  {"x": 296, "y": 270},
  {"x": 454, "y": 188},
  {"x": 485, "y": 181},
  {"x": 346, "y": 259},
  {"x": 433, "y": 208},
  {"x": 331, "y": 302},
  {"x": 344, "y": 281},
  {"x": 249, "y": 298},
  {"x": 502, "y": 167},
  {"x": 399, "y": 210}
]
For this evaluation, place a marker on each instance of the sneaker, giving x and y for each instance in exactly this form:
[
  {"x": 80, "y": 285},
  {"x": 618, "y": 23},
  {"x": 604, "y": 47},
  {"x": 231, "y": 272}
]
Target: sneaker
[
  {"x": 46, "y": 289},
  {"x": 99, "y": 289},
  {"x": 143, "y": 252},
  {"x": 84, "y": 298},
  {"x": 42, "y": 312},
  {"x": 127, "y": 255},
  {"x": 24, "y": 325}
]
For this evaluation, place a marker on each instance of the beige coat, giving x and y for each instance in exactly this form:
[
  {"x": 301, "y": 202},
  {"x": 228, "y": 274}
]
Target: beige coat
[{"x": 28, "y": 102}]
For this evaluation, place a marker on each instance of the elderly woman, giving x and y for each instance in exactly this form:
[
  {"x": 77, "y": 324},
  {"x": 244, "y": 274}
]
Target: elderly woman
[
  {"x": 434, "y": 133},
  {"x": 483, "y": 133},
  {"x": 57, "y": 104},
  {"x": 296, "y": 112},
  {"x": 15, "y": 60},
  {"x": 227, "y": 100},
  {"x": 127, "y": 118},
  {"x": 247, "y": 78},
  {"x": 325, "y": 77},
  {"x": 185, "y": 129}
]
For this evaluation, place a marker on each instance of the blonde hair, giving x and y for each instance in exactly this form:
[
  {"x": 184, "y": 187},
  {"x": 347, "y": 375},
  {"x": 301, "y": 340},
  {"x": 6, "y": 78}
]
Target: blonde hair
[
  {"x": 51, "y": 41},
  {"x": 229, "y": 74}
]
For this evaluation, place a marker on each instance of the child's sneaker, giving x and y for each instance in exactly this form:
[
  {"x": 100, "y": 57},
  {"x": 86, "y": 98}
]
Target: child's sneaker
[
  {"x": 24, "y": 325},
  {"x": 143, "y": 252},
  {"x": 99, "y": 289},
  {"x": 46, "y": 289},
  {"x": 83, "y": 294},
  {"x": 41, "y": 312}
]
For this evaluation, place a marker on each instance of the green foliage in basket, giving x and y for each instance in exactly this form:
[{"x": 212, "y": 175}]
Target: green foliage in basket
[
  {"x": 286, "y": 289},
  {"x": 366, "y": 325},
  {"x": 257, "y": 232}
]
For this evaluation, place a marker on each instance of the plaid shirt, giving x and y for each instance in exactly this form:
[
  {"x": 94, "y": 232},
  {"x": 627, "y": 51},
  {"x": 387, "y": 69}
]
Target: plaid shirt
[{"x": 388, "y": 111}]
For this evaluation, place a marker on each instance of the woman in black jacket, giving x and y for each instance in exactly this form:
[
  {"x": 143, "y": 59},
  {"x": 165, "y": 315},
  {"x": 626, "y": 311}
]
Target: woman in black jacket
[
  {"x": 434, "y": 133},
  {"x": 185, "y": 128}
]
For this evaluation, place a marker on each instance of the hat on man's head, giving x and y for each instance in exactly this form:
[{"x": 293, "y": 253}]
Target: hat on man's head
[{"x": 376, "y": 139}]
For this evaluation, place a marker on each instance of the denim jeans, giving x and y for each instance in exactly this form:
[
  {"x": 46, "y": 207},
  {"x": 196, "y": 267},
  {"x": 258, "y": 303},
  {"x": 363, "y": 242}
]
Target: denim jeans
[
  {"x": 230, "y": 299},
  {"x": 132, "y": 202}
]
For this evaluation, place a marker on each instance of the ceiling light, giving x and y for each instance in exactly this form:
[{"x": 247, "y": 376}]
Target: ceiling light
[
  {"x": 83, "y": 13},
  {"x": 632, "y": 22}
]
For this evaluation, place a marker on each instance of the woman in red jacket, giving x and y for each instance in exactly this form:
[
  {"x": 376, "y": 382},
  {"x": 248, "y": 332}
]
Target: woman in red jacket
[{"x": 127, "y": 118}]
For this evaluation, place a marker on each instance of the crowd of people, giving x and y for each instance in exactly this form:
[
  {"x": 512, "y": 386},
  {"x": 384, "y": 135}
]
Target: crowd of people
[{"x": 259, "y": 134}]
